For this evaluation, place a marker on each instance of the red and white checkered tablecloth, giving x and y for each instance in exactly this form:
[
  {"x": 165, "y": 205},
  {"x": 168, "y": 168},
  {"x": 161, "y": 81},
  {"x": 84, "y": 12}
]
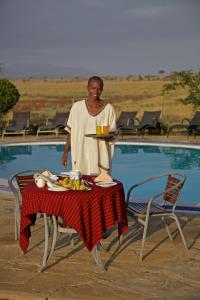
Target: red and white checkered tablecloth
[{"x": 90, "y": 213}]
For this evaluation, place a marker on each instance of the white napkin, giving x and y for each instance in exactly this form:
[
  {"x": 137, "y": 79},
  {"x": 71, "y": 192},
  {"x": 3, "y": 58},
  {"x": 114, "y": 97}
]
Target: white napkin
[
  {"x": 39, "y": 178},
  {"x": 103, "y": 177}
]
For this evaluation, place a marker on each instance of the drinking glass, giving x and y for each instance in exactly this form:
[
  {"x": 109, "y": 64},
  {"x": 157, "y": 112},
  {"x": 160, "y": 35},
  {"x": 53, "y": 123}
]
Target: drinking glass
[
  {"x": 105, "y": 129},
  {"x": 98, "y": 130}
]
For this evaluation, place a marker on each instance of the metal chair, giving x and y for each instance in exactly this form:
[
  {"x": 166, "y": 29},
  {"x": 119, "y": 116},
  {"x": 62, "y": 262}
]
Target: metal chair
[
  {"x": 17, "y": 182},
  {"x": 163, "y": 190}
]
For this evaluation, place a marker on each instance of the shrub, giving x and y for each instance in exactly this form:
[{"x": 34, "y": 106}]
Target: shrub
[{"x": 9, "y": 95}]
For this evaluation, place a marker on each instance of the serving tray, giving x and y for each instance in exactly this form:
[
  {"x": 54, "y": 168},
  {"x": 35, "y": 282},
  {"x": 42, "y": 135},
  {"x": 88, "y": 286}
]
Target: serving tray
[{"x": 100, "y": 136}]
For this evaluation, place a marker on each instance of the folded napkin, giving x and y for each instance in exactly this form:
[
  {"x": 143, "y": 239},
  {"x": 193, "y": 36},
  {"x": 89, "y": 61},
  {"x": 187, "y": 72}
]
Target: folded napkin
[
  {"x": 103, "y": 177},
  {"x": 41, "y": 179},
  {"x": 47, "y": 173}
]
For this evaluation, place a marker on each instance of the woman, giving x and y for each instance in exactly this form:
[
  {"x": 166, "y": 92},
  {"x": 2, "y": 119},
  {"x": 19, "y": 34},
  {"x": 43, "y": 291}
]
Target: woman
[{"x": 90, "y": 155}]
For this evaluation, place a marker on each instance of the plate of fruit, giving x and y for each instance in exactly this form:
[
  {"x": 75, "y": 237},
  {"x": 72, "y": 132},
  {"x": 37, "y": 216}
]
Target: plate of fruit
[{"x": 73, "y": 184}]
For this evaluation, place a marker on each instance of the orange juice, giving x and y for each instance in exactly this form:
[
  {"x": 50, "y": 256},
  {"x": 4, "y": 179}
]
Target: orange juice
[
  {"x": 98, "y": 130},
  {"x": 105, "y": 130}
]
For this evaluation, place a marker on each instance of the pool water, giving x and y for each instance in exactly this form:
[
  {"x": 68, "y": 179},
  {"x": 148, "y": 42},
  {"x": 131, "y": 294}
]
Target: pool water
[{"x": 131, "y": 163}]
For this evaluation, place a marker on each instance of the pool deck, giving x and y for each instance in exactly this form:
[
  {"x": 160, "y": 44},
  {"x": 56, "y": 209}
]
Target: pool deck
[
  {"x": 167, "y": 272},
  {"x": 128, "y": 138}
]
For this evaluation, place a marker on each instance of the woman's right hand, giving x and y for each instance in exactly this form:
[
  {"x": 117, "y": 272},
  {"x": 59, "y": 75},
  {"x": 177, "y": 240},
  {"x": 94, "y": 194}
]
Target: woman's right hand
[{"x": 64, "y": 160}]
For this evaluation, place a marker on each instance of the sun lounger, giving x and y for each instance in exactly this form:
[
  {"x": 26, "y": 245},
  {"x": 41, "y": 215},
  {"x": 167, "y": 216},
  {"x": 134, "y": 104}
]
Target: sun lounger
[
  {"x": 191, "y": 127},
  {"x": 126, "y": 119},
  {"x": 18, "y": 125},
  {"x": 150, "y": 122},
  {"x": 54, "y": 125}
]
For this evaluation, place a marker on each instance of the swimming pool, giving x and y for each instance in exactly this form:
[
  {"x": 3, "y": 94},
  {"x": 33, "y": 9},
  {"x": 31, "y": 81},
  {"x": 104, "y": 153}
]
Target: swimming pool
[{"x": 131, "y": 163}]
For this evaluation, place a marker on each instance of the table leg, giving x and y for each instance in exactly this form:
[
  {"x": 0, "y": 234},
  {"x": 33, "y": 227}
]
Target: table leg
[{"x": 97, "y": 257}]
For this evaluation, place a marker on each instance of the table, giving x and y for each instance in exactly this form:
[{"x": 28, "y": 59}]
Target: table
[{"x": 90, "y": 213}]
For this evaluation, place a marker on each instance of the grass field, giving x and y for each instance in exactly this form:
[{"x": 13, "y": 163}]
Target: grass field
[{"x": 45, "y": 96}]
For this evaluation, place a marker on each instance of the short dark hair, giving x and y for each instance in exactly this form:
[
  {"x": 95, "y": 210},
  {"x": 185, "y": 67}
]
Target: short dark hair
[{"x": 96, "y": 78}]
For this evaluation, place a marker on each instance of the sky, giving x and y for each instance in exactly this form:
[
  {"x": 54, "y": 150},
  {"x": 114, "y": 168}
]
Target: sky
[{"x": 107, "y": 37}]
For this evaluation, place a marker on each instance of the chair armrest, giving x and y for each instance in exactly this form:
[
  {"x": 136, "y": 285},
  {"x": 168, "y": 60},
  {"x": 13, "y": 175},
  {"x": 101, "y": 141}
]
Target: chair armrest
[
  {"x": 138, "y": 121},
  {"x": 11, "y": 123},
  {"x": 42, "y": 122},
  {"x": 173, "y": 197},
  {"x": 49, "y": 121},
  {"x": 140, "y": 184},
  {"x": 185, "y": 119}
]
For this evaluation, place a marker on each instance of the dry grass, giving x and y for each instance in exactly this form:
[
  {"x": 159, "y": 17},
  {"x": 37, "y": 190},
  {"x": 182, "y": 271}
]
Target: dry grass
[{"x": 45, "y": 96}]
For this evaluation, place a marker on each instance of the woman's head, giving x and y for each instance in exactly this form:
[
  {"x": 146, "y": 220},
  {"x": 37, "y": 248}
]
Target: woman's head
[
  {"x": 96, "y": 78},
  {"x": 95, "y": 87}
]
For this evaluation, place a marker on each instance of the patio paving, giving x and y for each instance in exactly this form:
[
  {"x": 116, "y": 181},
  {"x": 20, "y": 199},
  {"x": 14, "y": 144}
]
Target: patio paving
[{"x": 167, "y": 272}]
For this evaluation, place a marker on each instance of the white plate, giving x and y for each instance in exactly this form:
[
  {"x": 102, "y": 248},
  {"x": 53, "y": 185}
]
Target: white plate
[
  {"x": 64, "y": 174},
  {"x": 57, "y": 189},
  {"x": 106, "y": 184},
  {"x": 53, "y": 178}
]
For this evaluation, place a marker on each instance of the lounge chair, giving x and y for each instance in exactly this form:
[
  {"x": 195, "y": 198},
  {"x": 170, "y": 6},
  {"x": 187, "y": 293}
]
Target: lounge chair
[
  {"x": 163, "y": 193},
  {"x": 126, "y": 119},
  {"x": 1, "y": 122},
  {"x": 150, "y": 122},
  {"x": 126, "y": 122},
  {"x": 191, "y": 127},
  {"x": 18, "y": 125},
  {"x": 54, "y": 125}
]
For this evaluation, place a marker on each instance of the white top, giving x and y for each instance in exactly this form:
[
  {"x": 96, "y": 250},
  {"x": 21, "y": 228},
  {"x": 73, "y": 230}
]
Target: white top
[{"x": 90, "y": 155}]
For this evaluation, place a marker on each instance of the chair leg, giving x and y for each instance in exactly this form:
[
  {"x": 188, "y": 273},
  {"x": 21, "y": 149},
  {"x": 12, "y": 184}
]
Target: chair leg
[
  {"x": 144, "y": 236},
  {"x": 54, "y": 238},
  {"x": 46, "y": 243},
  {"x": 167, "y": 228},
  {"x": 97, "y": 257},
  {"x": 121, "y": 240},
  {"x": 181, "y": 232},
  {"x": 16, "y": 225}
]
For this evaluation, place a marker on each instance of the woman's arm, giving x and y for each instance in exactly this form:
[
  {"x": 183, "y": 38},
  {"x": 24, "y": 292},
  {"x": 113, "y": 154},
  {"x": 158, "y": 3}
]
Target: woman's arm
[{"x": 65, "y": 154}]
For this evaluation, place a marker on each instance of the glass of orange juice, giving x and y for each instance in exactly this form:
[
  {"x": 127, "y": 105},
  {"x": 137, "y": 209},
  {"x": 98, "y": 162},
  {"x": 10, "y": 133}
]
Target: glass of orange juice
[
  {"x": 105, "y": 129},
  {"x": 98, "y": 129}
]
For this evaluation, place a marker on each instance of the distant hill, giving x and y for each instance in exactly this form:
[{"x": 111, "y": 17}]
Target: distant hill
[{"x": 24, "y": 70}]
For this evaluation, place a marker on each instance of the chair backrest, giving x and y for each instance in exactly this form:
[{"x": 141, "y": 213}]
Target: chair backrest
[
  {"x": 60, "y": 118},
  {"x": 21, "y": 119},
  {"x": 18, "y": 180},
  {"x": 196, "y": 119},
  {"x": 173, "y": 188},
  {"x": 150, "y": 119},
  {"x": 126, "y": 119}
]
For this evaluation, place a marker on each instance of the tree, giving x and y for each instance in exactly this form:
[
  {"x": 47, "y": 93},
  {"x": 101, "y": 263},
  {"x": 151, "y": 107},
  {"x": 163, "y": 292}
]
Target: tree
[
  {"x": 9, "y": 95},
  {"x": 188, "y": 80}
]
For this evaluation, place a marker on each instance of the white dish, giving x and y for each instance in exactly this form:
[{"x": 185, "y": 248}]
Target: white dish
[
  {"x": 53, "y": 178},
  {"x": 64, "y": 174},
  {"x": 106, "y": 184},
  {"x": 57, "y": 189}
]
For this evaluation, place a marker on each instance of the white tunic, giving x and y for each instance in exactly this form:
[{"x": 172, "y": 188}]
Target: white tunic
[{"x": 90, "y": 155}]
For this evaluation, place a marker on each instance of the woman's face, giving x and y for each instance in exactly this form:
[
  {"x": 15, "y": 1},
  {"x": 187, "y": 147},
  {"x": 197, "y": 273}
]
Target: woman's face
[{"x": 94, "y": 89}]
